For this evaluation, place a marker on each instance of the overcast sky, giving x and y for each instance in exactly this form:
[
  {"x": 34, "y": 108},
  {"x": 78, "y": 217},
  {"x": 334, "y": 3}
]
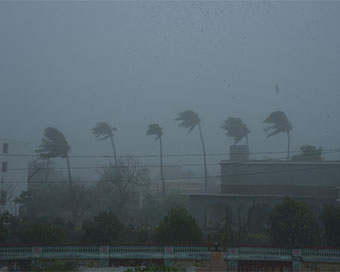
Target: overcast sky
[{"x": 72, "y": 64}]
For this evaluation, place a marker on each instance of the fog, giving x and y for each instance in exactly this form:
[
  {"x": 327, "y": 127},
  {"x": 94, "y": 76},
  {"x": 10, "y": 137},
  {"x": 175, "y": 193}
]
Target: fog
[{"x": 72, "y": 64}]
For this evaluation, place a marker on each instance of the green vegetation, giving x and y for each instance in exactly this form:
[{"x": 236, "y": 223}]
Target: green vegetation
[
  {"x": 178, "y": 227},
  {"x": 330, "y": 217},
  {"x": 105, "y": 228},
  {"x": 292, "y": 223},
  {"x": 4, "y": 218}
]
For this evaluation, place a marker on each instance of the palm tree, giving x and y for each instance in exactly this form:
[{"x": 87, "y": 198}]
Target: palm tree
[
  {"x": 53, "y": 145},
  {"x": 236, "y": 129},
  {"x": 279, "y": 123},
  {"x": 190, "y": 119},
  {"x": 155, "y": 129},
  {"x": 102, "y": 131}
]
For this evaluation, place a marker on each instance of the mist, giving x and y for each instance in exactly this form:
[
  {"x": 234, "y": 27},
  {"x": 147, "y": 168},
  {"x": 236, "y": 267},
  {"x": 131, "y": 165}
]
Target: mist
[{"x": 72, "y": 64}]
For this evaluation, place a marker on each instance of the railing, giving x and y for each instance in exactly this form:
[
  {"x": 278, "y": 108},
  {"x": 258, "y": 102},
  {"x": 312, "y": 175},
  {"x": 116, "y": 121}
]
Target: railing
[
  {"x": 266, "y": 253},
  {"x": 165, "y": 252}
]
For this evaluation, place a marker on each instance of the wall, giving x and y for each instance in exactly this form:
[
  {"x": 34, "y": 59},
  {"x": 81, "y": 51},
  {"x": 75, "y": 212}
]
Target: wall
[
  {"x": 280, "y": 173},
  {"x": 13, "y": 180}
]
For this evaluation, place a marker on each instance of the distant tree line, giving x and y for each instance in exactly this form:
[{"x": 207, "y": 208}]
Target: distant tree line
[{"x": 290, "y": 223}]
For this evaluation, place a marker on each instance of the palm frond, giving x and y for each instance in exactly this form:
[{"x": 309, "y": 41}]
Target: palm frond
[
  {"x": 103, "y": 131},
  {"x": 279, "y": 123},
  {"x": 155, "y": 129},
  {"x": 235, "y": 128},
  {"x": 53, "y": 144},
  {"x": 188, "y": 119}
]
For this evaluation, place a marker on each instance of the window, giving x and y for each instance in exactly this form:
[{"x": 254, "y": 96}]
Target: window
[
  {"x": 4, "y": 167},
  {"x": 5, "y": 148}
]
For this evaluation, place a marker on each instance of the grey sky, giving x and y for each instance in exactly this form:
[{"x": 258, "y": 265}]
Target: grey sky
[{"x": 72, "y": 64}]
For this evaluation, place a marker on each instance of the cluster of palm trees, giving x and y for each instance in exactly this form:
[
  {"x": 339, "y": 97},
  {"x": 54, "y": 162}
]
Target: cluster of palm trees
[{"x": 54, "y": 144}]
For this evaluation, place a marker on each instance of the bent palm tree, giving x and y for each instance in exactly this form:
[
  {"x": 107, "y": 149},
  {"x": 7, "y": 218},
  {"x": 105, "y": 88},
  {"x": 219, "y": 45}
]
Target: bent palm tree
[
  {"x": 53, "y": 145},
  {"x": 102, "y": 131},
  {"x": 155, "y": 129},
  {"x": 279, "y": 123},
  {"x": 190, "y": 119},
  {"x": 236, "y": 129}
]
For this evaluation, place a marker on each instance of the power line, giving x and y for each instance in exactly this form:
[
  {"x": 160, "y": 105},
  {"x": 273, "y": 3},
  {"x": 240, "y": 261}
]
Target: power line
[
  {"x": 199, "y": 177},
  {"x": 326, "y": 151},
  {"x": 141, "y": 166}
]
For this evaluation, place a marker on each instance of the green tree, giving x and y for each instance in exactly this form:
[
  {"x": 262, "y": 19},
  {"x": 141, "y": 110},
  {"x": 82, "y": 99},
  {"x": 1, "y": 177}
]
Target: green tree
[
  {"x": 105, "y": 228},
  {"x": 156, "y": 130},
  {"x": 235, "y": 128},
  {"x": 189, "y": 119},
  {"x": 178, "y": 226},
  {"x": 4, "y": 218},
  {"x": 53, "y": 145},
  {"x": 278, "y": 122},
  {"x": 330, "y": 218},
  {"x": 292, "y": 223},
  {"x": 309, "y": 153},
  {"x": 103, "y": 131},
  {"x": 41, "y": 231}
]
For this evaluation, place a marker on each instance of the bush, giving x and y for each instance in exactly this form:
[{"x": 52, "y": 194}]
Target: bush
[
  {"x": 292, "y": 223},
  {"x": 105, "y": 228},
  {"x": 178, "y": 226}
]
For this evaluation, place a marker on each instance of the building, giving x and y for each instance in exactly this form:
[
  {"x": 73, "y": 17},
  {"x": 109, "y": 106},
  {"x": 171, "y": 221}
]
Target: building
[
  {"x": 13, "y": 176},
  {"x": 249, "y": 189}
]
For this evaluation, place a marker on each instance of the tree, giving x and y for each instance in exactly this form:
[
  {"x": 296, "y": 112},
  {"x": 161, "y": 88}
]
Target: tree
[
  {"x": 155, "y": 129},
  {"x": 131, "y": 176},
  {"x": 309, "y": 153},
  {"x": 105, "y": 228},
  {"x": 54, "y": 145},
  {"x": 103, "y": 131},
  {"x": 278, "y": 122},
  {"x": 178, "y": 226},
  {"x": 40, "y": 231},
  {"x": 4, "y": 218},
  {"x": 236, "y": 129},
  {"x": 330, "y": 218},
  {"x": 292, "y": 223},
  {"x": 189, "y": 119}
]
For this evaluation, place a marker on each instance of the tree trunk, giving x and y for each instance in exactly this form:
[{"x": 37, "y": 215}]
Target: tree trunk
[
  {"x": 69, "y": 173},
  {"x": 47, "y": 169},
  {"x": 114, "y": 153},
  {"x": 288, "y": 153},
  {"x": 204, "y": 158},
  {"x": 161, "y": 165}
]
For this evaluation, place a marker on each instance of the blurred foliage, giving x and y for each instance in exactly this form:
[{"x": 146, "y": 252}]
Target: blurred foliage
[
  {"x": 235, "y": 128},
  {"x": 309, "y": 153},
  {"x": 330, "y": 217},
  {"x": 39, "y": 231},
  {"x": 55, "y": 266},
  {"x": 178, "y": 226},
  {"x": 105, "y": 228},
  {"x": 292, "y": 223},
  {"x": 4, "y": 219}
]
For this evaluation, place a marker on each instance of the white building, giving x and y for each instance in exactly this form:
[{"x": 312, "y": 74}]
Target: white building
[{"x": 13, "y": 172}]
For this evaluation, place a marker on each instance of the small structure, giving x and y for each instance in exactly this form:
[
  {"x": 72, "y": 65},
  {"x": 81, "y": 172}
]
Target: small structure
[{"x": 13, "y": 172}]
